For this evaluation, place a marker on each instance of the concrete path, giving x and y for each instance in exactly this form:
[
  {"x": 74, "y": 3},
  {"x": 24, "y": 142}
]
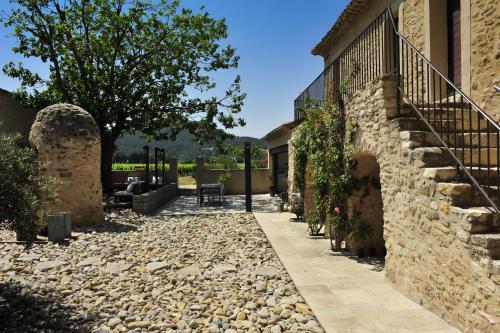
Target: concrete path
[{"x": 345, "y": 293}]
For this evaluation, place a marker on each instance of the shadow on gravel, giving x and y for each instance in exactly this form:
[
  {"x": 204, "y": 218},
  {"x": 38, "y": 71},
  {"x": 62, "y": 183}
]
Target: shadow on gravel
[
  {"x": 108, "y": 226},
  {"x": 25, "y": 310}
]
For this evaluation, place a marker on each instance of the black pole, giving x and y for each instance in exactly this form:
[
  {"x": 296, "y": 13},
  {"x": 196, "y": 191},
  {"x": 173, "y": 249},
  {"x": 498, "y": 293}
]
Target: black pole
[
  {"x": 146, "y": 153},
  {"x": 156, "y": 166},
  {"x": 163, "y": 161},
  {"x": 248, "y": 177}
]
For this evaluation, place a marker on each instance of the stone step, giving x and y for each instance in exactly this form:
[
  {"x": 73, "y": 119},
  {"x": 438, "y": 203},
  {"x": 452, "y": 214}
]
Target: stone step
[
  {"x": 459, "y": 194},
  {"x": 451, "y": 126},
  {"x": 410, "y": 124},
  {"x": 445, "y": 174},
  {"x": 478, "y": 156},
  {"x": 489, "y": 242},
  {"x": 419, "y": 139},
  {"x": 444, "y": 102},
  {"x": 431, "y": 157},
  {"x": 466, "y": 195},
  {"x": 479, "y": 219},
  {"x": 474, "y": 139},
  {"x": 438, "y": 114}
]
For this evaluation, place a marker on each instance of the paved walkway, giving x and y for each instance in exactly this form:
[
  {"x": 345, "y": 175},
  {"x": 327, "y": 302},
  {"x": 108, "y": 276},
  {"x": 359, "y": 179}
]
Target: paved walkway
[
  {"x": 233, "y": 204},
  {"x": 346, "y": 294}
]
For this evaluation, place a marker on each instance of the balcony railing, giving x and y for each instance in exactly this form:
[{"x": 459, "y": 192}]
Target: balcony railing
[{"x": 370, "y": 55}]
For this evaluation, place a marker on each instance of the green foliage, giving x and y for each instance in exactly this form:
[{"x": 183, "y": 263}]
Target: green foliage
[
  {"x": 133, "y": 65},
  {"x": 186, "y": 169},
  {"x": 129, "y": 147},
  {"x": 326, "y": 139},
  {"x": 24, "y": 194},
  {"x": 300, "y": 151},
  {"x": 297, "y": 205}
]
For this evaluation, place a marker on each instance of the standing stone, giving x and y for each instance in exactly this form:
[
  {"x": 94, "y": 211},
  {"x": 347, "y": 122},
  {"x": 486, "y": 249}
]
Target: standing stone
[{"x": 67, "y": 138}]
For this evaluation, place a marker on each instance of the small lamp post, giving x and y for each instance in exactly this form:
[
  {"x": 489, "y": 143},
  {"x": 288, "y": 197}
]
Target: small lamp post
[
  {"x": 146, "y": 157},
  {"x": 163, "y": 162},
  {"x": 156, "y": 166}
]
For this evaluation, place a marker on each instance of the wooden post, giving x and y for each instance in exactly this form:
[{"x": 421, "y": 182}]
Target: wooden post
[{"x": 248, "y": 177}]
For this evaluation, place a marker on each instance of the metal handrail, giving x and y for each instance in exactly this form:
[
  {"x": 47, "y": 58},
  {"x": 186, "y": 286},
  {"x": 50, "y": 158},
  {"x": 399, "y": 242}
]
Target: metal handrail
[
  {"x": 443, "y": 136},
  {"x": 381, "y": 49},
  {"x": 484, "y": 114}
]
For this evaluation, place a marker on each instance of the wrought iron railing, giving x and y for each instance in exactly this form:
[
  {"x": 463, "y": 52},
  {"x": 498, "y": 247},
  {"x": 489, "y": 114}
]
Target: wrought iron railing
[
  {"x": 470, "y": 135},
  {"x": 369, "y": 56}
]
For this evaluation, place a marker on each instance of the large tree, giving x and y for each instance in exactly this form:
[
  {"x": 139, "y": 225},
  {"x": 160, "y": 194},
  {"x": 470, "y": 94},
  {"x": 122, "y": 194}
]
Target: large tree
[{"x": 134, "y": 65}]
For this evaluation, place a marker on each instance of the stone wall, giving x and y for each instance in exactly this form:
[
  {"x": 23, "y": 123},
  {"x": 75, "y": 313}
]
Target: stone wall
[
  {"x": 411, "y": 23},
  {"x": 150, "y": 202},
  {"x": 261, "y": 179},
  {"x": 485, "y": 55},
  {"x": 429, "y": 252},
  {"x": 14, "y": 118}
]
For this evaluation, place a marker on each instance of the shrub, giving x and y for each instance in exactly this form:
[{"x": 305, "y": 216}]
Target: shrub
[{"x": 24, "y": 193}]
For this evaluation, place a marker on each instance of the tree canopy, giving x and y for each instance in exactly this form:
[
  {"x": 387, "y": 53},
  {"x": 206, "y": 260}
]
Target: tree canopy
[{"x": 132, "y": 64}]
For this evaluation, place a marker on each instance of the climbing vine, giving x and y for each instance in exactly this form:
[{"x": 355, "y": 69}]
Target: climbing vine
[{"x": 325, "y": 139}]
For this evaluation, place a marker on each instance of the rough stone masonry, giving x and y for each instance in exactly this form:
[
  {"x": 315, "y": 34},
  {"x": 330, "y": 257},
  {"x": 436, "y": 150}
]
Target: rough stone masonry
[{"x": 66, "y": 137}]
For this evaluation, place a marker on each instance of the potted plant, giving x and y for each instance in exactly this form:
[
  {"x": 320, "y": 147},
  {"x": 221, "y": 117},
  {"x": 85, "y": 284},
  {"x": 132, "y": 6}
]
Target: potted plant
[{"x": 297, "y": 206}]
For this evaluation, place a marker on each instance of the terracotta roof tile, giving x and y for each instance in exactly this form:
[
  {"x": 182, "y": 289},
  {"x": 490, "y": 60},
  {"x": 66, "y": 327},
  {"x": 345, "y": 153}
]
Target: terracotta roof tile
[{"x": 347, "y": 16}]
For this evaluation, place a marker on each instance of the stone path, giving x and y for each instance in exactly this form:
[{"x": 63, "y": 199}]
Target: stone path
[
  {"x": 204, "y": 273},
  {"x": 346, "y": 294},
  {"x": 233, "y": 204}
]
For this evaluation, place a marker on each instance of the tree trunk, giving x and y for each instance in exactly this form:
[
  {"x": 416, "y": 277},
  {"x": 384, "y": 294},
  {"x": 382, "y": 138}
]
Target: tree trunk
[{"x": 107, "y": 150}]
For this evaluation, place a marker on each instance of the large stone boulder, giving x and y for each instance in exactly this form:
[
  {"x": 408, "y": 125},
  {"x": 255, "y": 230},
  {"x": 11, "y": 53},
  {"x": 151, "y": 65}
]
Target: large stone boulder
[{"x": 67, "y": 138}]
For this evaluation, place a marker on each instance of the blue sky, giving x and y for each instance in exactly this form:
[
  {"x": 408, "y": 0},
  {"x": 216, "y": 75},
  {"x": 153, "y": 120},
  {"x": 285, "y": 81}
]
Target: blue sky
[{"x": 274, "y": 39}]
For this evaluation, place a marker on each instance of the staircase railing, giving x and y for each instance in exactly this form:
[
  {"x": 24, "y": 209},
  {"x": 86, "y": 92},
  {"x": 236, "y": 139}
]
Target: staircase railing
[
  {"x": 468, "y": 133},
  {"x": 465, "y": 131}
]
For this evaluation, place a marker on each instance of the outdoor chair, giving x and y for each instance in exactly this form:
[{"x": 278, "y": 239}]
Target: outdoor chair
[
  {"x": 134, "y": 188},
  {"x": 212, "y": 191}
]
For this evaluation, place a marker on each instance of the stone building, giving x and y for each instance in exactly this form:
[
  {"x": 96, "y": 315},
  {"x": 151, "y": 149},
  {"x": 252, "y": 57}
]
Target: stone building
[
  {"x": 420, "y": 78},
  {"x": 278, "y": 156},
  {"x": 14, "y": 118},
  {"x": 66, "y": 138}
]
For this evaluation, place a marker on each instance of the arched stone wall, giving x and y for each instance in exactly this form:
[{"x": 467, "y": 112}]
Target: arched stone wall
[
  {"x": 431, "y": 255},
  {"x": 67, "y": 138},
  {"x": 366, "y": 200}
]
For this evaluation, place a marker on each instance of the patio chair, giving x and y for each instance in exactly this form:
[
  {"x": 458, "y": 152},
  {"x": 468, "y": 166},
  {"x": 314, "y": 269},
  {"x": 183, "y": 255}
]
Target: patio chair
[{"x": 135, "y": 187}]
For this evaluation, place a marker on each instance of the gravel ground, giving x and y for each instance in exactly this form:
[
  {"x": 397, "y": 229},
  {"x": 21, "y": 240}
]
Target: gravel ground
[{"x": 204, "y": 273}]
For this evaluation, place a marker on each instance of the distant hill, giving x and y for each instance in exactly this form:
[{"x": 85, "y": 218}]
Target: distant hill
[{"x": 130, "y": 147}]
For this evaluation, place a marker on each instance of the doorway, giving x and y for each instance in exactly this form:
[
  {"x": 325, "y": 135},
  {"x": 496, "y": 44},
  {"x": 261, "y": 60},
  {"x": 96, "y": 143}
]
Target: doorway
[
  {"x": 280, "y": 168},
  {"x": 454, "y": 42}
]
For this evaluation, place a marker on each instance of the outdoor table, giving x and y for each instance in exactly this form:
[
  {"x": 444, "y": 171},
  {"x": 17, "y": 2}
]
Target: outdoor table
[{"x": 211, "y": 188}]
